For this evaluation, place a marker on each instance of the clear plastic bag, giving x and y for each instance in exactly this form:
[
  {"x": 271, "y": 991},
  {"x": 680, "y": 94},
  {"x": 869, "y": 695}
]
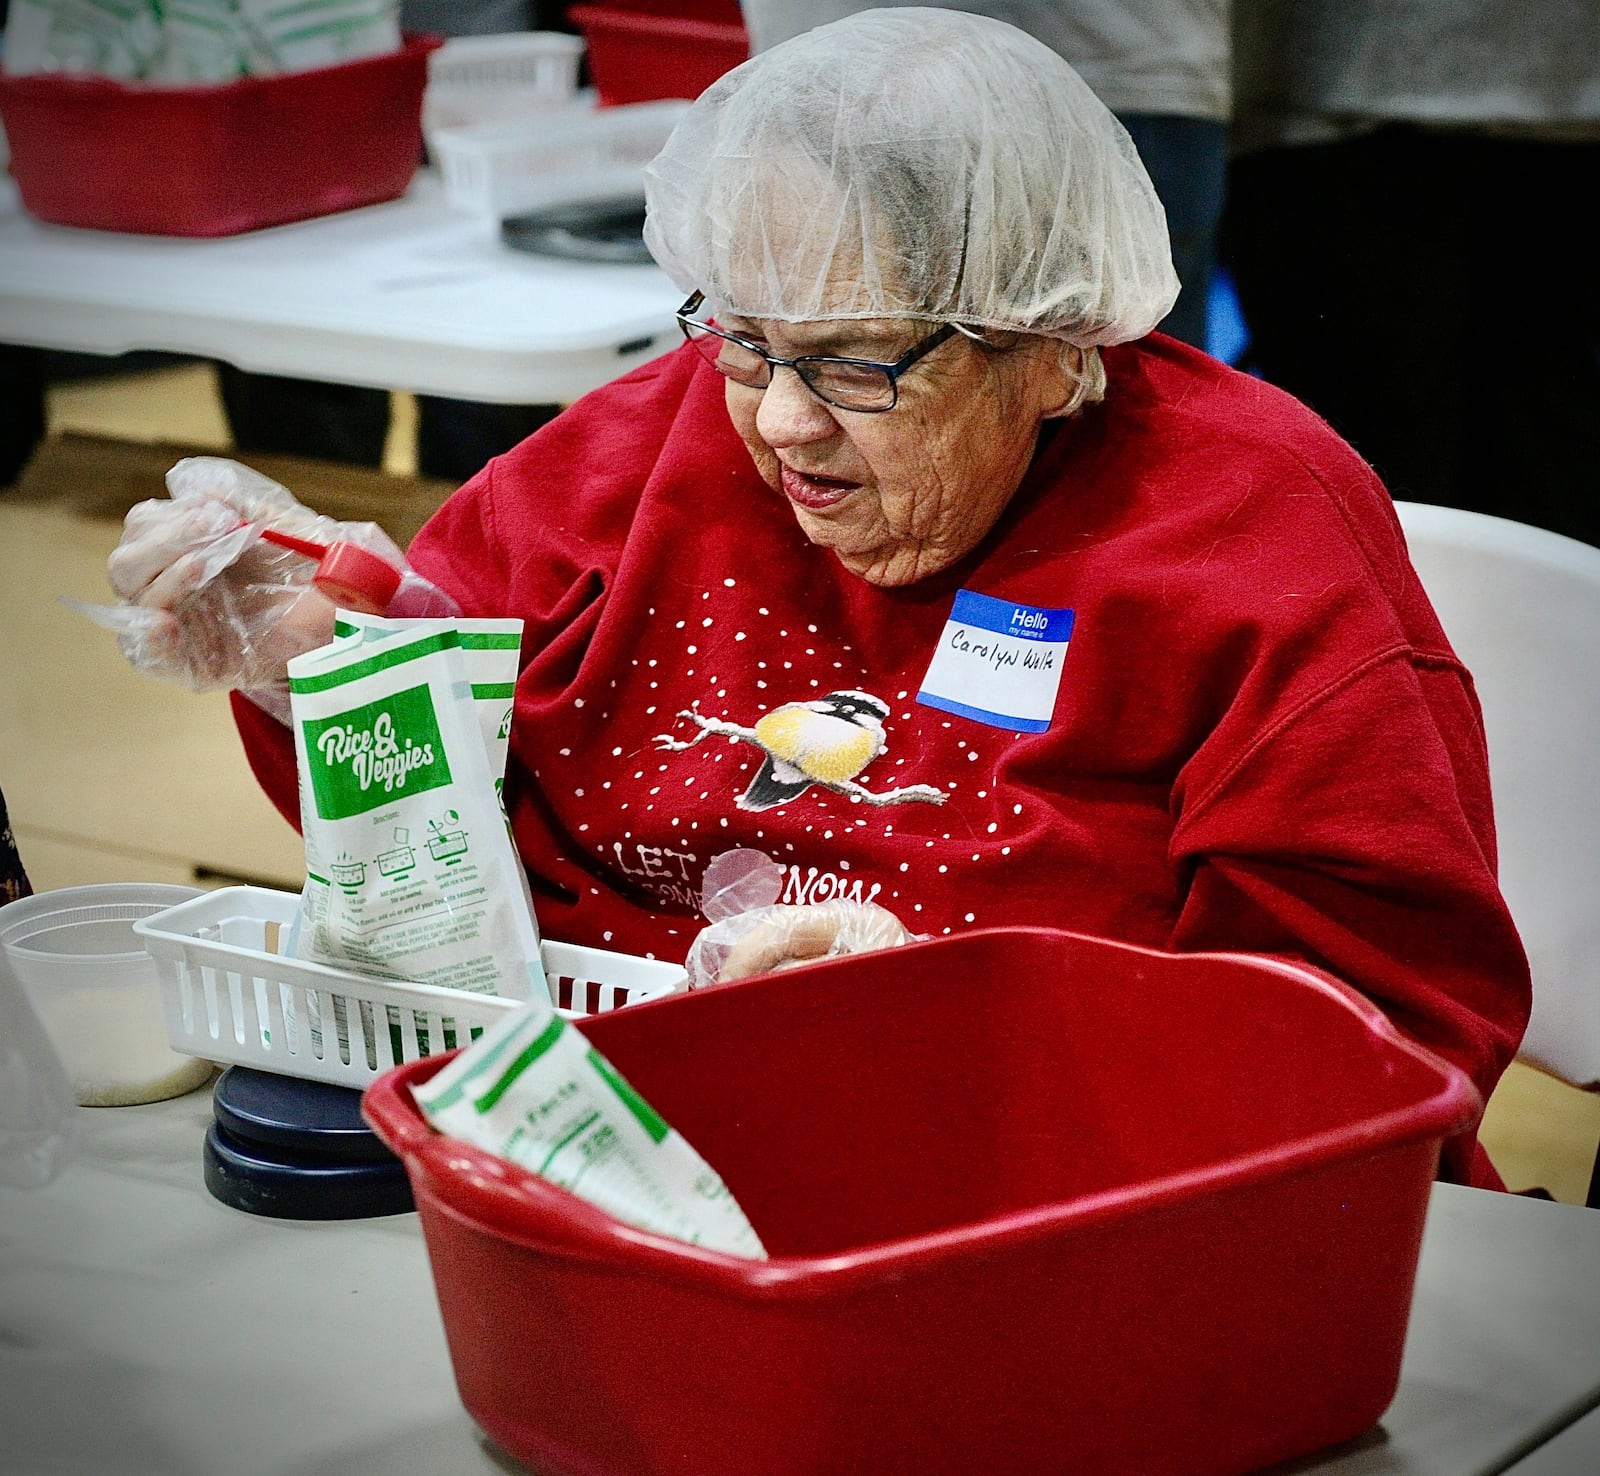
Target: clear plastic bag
[
  {"x": 38, "y": 1112},
  {"x": 750, "y": 932}
]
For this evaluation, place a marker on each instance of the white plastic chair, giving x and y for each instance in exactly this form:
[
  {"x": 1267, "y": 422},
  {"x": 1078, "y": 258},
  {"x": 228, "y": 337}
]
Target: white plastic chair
[{"x": 1521, "y": 606}]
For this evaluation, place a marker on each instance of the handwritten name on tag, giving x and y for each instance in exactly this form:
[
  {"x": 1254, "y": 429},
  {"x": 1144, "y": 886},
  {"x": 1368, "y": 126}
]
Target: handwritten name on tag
[{"x": 998, "y": 663}]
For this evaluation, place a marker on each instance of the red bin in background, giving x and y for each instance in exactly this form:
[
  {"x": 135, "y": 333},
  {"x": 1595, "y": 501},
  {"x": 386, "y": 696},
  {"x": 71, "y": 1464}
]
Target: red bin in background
[
  {"x": 1035, "y": 1202},
  {"x": 639, "y": 55},
  {"x": 218, "y": 159}
]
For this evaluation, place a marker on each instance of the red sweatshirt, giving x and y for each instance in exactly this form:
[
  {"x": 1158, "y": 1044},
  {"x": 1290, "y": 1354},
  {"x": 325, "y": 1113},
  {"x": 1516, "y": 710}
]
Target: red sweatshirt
[{"x": 1248, "y": 734}]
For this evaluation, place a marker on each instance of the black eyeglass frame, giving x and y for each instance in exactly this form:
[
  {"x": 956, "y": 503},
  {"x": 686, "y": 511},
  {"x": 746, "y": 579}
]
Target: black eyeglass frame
[{"x": 891, "y": 372}]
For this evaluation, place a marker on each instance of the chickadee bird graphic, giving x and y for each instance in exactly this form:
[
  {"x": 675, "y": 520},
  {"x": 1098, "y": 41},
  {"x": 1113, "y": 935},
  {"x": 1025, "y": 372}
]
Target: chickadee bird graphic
[{"x": 826, "y": 741}]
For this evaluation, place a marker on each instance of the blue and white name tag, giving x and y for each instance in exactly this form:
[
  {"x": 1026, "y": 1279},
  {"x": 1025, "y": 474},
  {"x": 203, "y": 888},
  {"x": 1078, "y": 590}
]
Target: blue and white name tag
[{"x": 998, "y": 663}]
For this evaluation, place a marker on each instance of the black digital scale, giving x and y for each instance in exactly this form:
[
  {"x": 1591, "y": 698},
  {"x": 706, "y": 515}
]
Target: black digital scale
[
  {"x": 611, "y": 230},
  {"x": 298, "y": 1150}
]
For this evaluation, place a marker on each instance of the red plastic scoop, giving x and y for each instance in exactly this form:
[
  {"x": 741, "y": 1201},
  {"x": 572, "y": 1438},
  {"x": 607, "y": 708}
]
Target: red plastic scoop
[{"x": 347, "y": 573}]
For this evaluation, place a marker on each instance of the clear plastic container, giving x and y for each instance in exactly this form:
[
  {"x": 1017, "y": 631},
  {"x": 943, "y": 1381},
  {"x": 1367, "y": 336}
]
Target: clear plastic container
[
  {"x": 502, "y": 169},
  {"x": 97, "y": 992},
  {"x": 480, "y": 79}
]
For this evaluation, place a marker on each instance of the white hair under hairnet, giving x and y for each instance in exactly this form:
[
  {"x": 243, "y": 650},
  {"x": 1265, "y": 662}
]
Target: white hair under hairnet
[{"x": 913, "y": 163}]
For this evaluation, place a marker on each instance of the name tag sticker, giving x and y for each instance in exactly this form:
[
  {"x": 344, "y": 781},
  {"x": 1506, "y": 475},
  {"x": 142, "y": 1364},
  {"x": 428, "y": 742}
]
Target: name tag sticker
[{"x": 998, "y": 663}]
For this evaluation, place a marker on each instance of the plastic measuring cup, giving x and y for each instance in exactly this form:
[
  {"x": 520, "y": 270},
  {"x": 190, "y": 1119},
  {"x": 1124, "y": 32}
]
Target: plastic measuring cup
[{"x": 97, "y": 992}]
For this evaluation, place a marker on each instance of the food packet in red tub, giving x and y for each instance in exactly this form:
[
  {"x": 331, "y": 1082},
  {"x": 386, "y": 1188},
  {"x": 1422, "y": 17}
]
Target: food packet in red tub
[{"x": 533, "y": 1090}]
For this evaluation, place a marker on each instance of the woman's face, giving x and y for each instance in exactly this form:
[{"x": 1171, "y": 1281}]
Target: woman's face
[{"x": 899, "y": 495}]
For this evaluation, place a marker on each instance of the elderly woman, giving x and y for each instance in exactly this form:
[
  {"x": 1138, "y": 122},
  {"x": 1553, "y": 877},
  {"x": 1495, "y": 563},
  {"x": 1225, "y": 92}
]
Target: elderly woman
[{"x": 923, "y": 569}]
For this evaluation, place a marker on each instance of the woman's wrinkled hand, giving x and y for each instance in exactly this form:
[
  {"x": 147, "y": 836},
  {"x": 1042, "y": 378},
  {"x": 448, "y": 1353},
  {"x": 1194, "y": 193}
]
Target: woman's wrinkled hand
[{"x": 782, "y": 936}]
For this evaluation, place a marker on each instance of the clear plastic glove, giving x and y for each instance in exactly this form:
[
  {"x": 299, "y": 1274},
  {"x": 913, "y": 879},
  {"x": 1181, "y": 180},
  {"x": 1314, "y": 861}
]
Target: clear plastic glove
[
  {"x": 751, "y": 933},
  {"x": 207, "y": 603}
]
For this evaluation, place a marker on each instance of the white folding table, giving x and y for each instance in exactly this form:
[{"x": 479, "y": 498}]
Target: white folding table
[
  {"x": 414, "y": 294},
  {"x": 147, "y": 1330}
]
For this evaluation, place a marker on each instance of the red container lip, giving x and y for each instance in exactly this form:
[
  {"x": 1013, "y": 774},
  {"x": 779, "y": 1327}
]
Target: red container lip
[
  {"x": 83, "y": 84},
  {"x": 516, "y": 1206},
  {"x": 647, "y": 23}
]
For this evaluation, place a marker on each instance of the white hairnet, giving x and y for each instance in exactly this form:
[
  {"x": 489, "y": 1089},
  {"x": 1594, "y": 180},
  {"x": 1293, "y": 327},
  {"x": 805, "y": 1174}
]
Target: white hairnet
[{"x": 913, "y": 163}]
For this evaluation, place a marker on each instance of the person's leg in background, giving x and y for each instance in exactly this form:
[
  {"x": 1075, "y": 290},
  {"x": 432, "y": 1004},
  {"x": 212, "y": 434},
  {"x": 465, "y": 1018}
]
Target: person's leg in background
[
  {"x": 301, "y": 417},
  {"x": 457, "y": 438},
  {"x": 1187, "y": 160},
  {"x": 1535, "y": 307},
  {"x": 346, "y": 423},
  {"x": 1350, "y": 267},
  {"x": 1433, "y": 295},
  {"x": 22, "y": 422}
]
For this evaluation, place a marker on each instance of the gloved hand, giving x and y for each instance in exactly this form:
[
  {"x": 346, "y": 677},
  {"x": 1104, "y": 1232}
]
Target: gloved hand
[
  {"x": 209, "y": 604},
  {"x": 781, "y": 936}
]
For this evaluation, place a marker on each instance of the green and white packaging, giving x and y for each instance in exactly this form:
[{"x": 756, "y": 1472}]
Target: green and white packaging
[
  {"x": 398, "y": 724},
  {"x": 492, "y": 650},
  {"x": 301, "y": 34},
  {"x": 533, "y": 1090},
  {"x": 195, "y": 41},
  {"x": 105, "y": 38},
  {"x": 410, "y": 869}
]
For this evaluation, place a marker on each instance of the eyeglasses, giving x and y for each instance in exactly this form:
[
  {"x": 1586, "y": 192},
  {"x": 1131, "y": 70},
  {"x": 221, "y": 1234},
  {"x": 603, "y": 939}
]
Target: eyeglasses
[{"x": 847, "y": 384}]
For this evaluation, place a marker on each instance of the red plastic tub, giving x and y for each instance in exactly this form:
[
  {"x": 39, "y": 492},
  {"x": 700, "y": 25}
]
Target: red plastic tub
[
  {"x": 1035, "y": 1203},
  {"x": 637, "y": 56},
  {"x": 220, "y": 159},
  {"x": 712, "y": 10}
]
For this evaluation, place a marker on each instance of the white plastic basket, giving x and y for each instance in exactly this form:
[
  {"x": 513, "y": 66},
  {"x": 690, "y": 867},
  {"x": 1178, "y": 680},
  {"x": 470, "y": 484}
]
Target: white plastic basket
[
  {"x": 503, "y": 169},
  {"x": 228, "y": 997},
  {"x": 475, "y": 79}
]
